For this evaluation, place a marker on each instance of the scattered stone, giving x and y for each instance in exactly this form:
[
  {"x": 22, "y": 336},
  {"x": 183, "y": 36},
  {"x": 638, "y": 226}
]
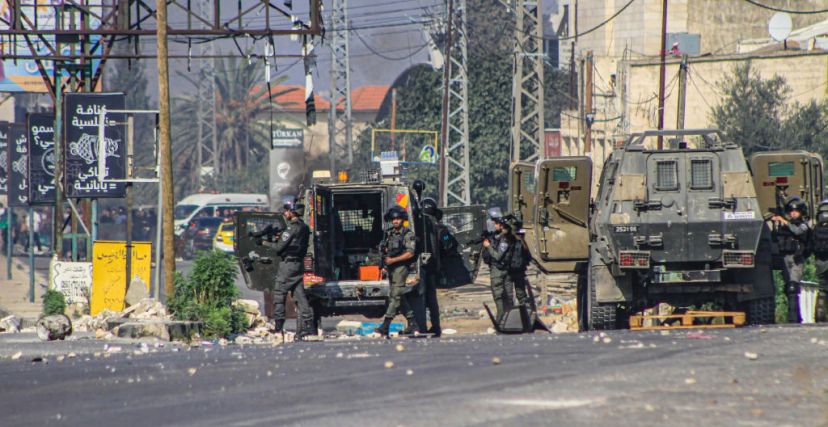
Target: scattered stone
[
  {"x": 450, "y": 331},
  {"x": 496, "y": 360},
  {"x": 17, "y": 355},
  {"x": 192, "y": 371},
  {"x": 60, "y": 358},
  {"x": 607, "y": 340},
  {"x": 71, "y": 355},
  {"x": 409, "y": 372},
  {"x": 243, "y": 340},
  {"x": 400, "y": 347},
  {"x": 690, "y": 381},
  {"x": 814, "y": 340},
  {"x": 389, "y": 364},
  {"x": 84, "y": 323},
  {"x": 54, "y": 327},
  {"x": 10, "y": 324},
  {"x": 560, "y": 327},
  {"x": 596, "y": 339},
  {"x": 649, "y": 408},
  {"x": 37, "y": 359},
  {"x": 751, "y": 356},
  {"x": 137, "y": 292},
  {"x": 113, "y": 349}
]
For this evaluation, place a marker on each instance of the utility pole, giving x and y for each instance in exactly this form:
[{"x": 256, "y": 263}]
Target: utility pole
[
  {"x": 662, "y": 72},
  {"x": 393, "y": 118},
  {"x": 527, "y": 86},
  {"x": 340, "y": 124},
  {"x": 165, "y": 147},
  {"x": 456, "y": 140},
  {"x": 443, "y": 180},
  {"x": 588, "y": 110},
  {"x": 682, "y": 94}
]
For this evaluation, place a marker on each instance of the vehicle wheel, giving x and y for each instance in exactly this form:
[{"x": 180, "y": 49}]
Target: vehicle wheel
[
  {"x": 601, "y": 316},
  {"x": 761, "y": 311}
]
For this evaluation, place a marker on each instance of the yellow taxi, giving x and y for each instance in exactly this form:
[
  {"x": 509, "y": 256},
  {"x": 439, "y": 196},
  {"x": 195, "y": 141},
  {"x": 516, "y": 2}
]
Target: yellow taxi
[{"x": 225, "y": 235}]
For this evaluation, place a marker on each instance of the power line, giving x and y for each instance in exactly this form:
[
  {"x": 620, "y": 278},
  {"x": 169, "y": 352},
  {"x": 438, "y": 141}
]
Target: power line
[
  {"x": 381, "y": 55},
  {"x": 606, "y": 21},
  {"x": 778, "y": 9}
]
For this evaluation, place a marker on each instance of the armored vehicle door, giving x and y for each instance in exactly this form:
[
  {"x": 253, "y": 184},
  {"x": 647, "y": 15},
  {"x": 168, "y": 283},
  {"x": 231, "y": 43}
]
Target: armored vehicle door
[
  {"x": 664, "y": 213},
  {"x": 778, "y": 175},
  {"x": 459, "y": 263},
  {"x": 562, "y": 215},
  {"x": 522, "y": 193},
  {"x": 322, "y": 225},
  {"x": 257, "y": 259}
]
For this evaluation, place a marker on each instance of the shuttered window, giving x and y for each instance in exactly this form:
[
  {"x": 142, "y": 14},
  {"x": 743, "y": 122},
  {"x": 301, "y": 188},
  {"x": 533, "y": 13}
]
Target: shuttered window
[
  {"x": 666, "y": 176},
  {"x": 701, "y": 174}
]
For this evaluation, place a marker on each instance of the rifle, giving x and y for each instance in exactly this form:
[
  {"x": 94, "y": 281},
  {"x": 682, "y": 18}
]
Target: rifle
[
  {"x": 485, "y": 235},
  {"x": 270, "y": 233}
]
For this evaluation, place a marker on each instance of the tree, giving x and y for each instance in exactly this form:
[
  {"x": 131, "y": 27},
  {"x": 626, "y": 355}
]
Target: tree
[{"x": 752, "y": 109}]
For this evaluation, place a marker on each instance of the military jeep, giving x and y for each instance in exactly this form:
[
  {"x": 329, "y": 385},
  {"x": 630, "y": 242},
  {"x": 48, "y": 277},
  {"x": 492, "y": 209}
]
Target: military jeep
[{"x": 343, "y": 274}]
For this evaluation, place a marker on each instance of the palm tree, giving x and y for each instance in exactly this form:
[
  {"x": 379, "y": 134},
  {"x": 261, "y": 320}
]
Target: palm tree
[{"x": 244, "y": 116}]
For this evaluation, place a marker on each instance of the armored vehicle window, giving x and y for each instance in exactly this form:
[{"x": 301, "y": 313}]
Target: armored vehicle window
[
  {"x": 780, "y": 169},
  {"x": 353, "y": 219},
  {"x": 701, "y": 174},
  {"x": 459, "y": 222},
  {"x": 564, "y": 174},
  {"x": 666, "y": 176}
]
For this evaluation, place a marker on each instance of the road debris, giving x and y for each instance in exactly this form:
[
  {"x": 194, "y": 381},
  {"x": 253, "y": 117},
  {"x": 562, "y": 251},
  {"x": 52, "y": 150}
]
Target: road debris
[
  {"x": 192, "y": 371},
  {"x": 54, "y": 327},
  {"x": 17, "y": 355},
  {"x": 751, "y": 356},
  {"x": 389, "y": 364},
  {"x": 10, "y": 324},
  {"x": 400, "y": 347},
  {"x": 690, "y": 381},
  {"x": 496, "y": 360}
]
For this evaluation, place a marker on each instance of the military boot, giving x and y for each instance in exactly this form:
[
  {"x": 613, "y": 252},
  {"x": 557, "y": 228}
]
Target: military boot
[
  {"x": 792, "y": 292},
  {"x": 279, "y": 326},
  {"x": 435, "y": 331},
  {"x": 385, "y": 328}
]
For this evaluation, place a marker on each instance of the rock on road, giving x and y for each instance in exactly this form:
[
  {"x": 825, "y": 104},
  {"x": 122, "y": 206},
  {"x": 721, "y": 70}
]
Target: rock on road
[{"x": 753, "y": 376}]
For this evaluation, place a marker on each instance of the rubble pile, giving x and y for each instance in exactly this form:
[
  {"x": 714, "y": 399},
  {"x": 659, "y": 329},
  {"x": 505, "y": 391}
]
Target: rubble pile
[
  {"x": 561, "y": 316},
  {"x": 10, "y": 324}
]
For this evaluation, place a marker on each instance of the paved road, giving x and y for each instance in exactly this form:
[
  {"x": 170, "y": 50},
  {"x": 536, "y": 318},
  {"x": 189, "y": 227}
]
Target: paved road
[{"x": 635, "y": 379}]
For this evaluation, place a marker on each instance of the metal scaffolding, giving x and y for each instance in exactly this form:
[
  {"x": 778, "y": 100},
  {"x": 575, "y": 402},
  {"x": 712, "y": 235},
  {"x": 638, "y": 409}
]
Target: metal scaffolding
[
  {"x": 207, "y": 150},
  {"x": 339, "y": 122},
  {"x": 457, "y": 133},
  {"x": 527, "y": 87}
]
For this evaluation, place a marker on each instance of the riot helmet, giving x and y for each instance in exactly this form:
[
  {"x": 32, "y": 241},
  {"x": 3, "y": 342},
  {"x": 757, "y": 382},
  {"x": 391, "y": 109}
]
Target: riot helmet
[
  {"x": 429, "y": 206},
  {"x": 795, "y": 203},
  {"x": 395, "y": 212},
  {"x": 822, "y": 212}
]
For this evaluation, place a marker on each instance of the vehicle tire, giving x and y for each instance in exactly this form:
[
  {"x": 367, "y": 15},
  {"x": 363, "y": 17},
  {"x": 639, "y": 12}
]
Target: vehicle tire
[
  {"x": 601, "y": 316},
  {"x": 761, "y": 311}
]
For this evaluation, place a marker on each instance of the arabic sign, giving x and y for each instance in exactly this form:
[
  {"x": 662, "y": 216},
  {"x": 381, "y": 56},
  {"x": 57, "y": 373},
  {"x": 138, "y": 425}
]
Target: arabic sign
[
  {"x": 4, "y": 158},
  {"x": 287, "y": 168},
  {"x": 18, "y": 166},
  {"x": 23, "y": 75},
  {"x": 72, "y": 279},
  {"x": 287, "y": 138},
  {"x": 81, "y": 152},
  {"x": 109, "y": 273},
  {"x": 41, "y": 159}
]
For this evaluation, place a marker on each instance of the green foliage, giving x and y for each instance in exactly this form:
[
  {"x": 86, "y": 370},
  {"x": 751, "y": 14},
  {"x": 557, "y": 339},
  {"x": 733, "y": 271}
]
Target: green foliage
[
  {"x": 206, "y": 295},
  {"x": 53, "y": 303},
  {"x": 781, "y": 313}
]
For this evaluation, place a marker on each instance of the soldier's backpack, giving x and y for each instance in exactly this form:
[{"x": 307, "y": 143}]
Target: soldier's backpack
[
  {"x": 520, "y": 257},
  {"x": 819, "y": 240}
]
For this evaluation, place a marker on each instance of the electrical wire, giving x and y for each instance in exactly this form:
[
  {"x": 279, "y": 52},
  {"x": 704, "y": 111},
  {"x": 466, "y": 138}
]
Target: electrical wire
[
  {"x": 779, "y": 9},
  {"x": 606, "y": 21},
  {"x": 383, "y": 56}
]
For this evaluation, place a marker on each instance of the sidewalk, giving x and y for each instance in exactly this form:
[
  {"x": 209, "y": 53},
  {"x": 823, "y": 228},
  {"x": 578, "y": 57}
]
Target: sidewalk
[{"x": 14, "y": 294}]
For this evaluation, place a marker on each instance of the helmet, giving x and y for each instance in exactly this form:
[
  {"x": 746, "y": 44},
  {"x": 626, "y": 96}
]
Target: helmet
[
  {"x": 795, "y": 203},
  {"x": 394, "y": 212},
  {"x": 297, "y": 208},
  {"x": 429, "y": 206},
  {"x": 822, "y": 212},
  {"x": 513, "y": 222}
]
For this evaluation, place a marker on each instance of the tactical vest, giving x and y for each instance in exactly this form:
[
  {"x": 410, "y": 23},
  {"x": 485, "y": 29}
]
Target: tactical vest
[
  {"x": 789, "y": 243},
  {"x": 298, "y": 246},
  {"x": 820, "y": 240},
  {"x": 519, "y": 258},
  {"x": 505, "y": 262},
  {"x": 394, "y": 244}
]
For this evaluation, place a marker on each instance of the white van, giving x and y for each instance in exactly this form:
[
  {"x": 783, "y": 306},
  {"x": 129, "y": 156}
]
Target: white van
[{"x": 215, "y": 205}]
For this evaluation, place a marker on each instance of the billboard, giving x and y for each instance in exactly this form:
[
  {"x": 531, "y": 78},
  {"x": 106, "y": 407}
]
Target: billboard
[
  {"x": 18, "y": 165},
  {"x": 24, "y": 75},
  {"x": 287, "y": 170},
  {"x": 4, "y": 158},
  {"x": 81, "y": 150},
  {"x": 42, "y": 159},
  {"x": 552, "y": 143}
]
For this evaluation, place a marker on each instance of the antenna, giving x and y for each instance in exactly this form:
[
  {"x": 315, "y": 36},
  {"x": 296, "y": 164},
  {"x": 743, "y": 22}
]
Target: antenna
[{"x": 780, "y": 26}]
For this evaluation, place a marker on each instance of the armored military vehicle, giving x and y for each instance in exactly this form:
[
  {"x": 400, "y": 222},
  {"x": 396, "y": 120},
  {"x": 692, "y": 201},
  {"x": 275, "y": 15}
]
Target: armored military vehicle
[
  {"x": 343, "y": 273},
  {"x": 681, "y": 225}
]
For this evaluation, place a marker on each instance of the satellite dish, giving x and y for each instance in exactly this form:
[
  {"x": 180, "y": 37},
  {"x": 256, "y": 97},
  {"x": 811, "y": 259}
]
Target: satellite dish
[{"x": 780, "y": 26}]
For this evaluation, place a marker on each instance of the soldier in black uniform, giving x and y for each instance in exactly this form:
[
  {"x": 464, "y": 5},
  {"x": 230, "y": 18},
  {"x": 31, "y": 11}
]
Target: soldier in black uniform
[
  {"x": 519, "y": 263},
  {"x": 792, "y": 239},
  {"x": 292, "y": 248},
  {"x": 496, "y": 253},
  {"x": 436, "y": 239},
  {"x": 820, "y": 246},
  {"x": 398, "y": 249}
]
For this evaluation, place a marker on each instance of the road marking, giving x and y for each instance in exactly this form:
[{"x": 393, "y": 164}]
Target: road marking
[{"x": 550, "y": 404}]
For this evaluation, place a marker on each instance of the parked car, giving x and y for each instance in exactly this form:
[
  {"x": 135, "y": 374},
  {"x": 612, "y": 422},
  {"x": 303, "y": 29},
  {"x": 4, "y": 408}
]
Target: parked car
[
  {"x": 198, "y": 236},
  {"x": 225, "y": 235},
  {"x": 218, "y": 205}
]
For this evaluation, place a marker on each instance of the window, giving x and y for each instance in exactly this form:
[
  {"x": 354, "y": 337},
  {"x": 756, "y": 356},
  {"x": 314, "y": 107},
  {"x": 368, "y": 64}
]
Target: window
[
  {"x": 564, "y": 174},
  {"x": 780, "y": 169},
  {"x": 528, "y": 181},
  {"x": 701, "y": 174},
  {"x": 666, "y": 176}
]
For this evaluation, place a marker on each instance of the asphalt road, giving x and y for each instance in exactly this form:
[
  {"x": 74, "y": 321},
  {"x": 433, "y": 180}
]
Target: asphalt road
[{"x": 634, "y": 379}]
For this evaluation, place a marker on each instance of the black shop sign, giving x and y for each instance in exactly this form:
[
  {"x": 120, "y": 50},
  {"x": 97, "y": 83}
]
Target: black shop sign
[
  {"x": 81, "y": 150},
  {"x": 4, "y": 158},
  {"x": 41, "y": 159},
  {"x": 18, "y": 165}
]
